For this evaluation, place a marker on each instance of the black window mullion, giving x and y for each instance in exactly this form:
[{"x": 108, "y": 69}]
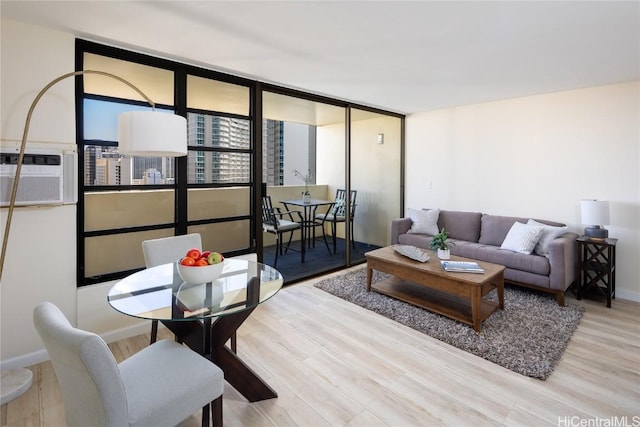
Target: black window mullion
[
  {"x": 182, "y": 173},
  {"x": 80, "y": 239}
]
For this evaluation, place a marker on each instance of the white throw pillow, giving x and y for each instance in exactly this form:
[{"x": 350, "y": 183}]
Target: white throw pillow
[
  {"x": 424, "y": 222},
  {"x": 522, "y": 238},
  {"x": 549, "y": 233}
]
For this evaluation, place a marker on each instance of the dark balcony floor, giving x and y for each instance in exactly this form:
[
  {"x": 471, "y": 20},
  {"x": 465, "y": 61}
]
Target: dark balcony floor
[{"x": 317, "y": 259}]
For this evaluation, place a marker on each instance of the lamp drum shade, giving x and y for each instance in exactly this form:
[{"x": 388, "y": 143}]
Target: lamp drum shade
[
  {"x": 152, "y": 134},
  {"x": 595, "y": 213}
]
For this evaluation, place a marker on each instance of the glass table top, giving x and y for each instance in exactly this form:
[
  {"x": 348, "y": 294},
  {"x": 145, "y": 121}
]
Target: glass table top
[{"x": 158, "y": 293}]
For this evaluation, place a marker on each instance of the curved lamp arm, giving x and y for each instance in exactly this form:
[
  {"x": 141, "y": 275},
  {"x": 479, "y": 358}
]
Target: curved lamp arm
[{"x": 14, "y": 190}]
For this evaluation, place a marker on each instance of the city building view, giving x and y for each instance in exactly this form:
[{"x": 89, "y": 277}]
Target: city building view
[{"x": 227, "y": 158}]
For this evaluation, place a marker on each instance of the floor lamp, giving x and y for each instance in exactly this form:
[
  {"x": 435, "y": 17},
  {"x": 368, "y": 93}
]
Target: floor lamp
[{"x": 140, "y": 133}]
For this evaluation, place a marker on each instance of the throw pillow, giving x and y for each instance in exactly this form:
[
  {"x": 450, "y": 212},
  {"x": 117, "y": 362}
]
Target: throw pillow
[
  {"x": 549, "y": 233},
  {"x": 424, "y": 222},
  {"x": 338, "y": 208},
  {"x": 522, "y": 238}
]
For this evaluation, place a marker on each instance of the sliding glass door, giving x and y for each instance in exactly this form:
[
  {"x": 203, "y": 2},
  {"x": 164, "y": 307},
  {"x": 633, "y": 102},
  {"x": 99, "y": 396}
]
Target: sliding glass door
[
  {"x": 349, "y": 161},
  {"x": 303, "y": 158},
  {"x": 375, "y": 170}
]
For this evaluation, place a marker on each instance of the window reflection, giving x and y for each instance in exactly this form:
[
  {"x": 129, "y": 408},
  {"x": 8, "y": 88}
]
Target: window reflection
[
  {"x": 103, "y": 165},
  {"x": 226, "y": 141}
]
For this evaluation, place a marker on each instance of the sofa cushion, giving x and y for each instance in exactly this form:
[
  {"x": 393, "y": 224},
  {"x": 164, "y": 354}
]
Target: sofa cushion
[
  {"x": 424, "y": 221},
  {"x": 418, "y": 240},
  {"x": 512, "y": 260},
  {"x": 522, "y": 238},
  {"x": 461, "y": 225},
  {"x": 494, "y": 228},
  {"x": 549, "y": 233}
]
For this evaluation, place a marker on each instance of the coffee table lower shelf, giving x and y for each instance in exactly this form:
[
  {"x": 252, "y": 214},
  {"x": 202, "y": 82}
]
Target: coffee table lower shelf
[{"x": 433, "y": 300}]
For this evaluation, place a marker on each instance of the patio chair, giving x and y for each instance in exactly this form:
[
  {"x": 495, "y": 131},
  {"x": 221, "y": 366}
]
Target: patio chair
[
  {"x": 273, "y": 222},
  {"x": 336, "y": 214},
  {"x": 163, "y": 384}
]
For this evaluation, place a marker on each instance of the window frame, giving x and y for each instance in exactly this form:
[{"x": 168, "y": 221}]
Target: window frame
[
  {"x": 180, "y": 186},
  {"x": 180, "y": 224}
]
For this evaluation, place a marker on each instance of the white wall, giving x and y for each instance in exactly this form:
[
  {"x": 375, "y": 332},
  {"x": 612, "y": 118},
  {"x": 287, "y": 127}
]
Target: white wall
[
  {"x": 41, "y": 257},
  {"x": 41, "y": 262},
  {"x": 536, "y": 157}
]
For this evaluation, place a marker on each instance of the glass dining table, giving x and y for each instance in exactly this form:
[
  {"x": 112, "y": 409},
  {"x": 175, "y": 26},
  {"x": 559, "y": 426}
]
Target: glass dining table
[{"x": 204, "y": 316}]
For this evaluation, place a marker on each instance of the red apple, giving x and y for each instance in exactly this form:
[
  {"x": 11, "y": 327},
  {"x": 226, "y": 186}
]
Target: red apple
[
  {"x": 194, "y": 253},
  {"x": 187, "y": 261},
  {"x": 201, "y": 262}
]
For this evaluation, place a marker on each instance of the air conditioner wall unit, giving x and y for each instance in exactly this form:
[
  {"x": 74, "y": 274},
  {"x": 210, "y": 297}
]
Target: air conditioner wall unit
[{"x": 48, "y": 176}]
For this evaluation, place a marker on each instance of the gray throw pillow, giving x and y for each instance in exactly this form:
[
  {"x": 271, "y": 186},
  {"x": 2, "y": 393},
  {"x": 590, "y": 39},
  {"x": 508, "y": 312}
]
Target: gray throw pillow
[
  {"x": 548, "y": 234},
  {"x": 424, "y": 222}
]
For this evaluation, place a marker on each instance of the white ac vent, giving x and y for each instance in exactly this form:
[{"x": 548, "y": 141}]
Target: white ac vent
[{"x": 47, "y": 177}]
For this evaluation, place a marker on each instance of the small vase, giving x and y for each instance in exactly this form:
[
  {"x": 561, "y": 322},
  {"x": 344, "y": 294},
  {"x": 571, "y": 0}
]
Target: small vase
[
  {"x": 306, "y": 198},
  {"x": 444, "y": 253}
]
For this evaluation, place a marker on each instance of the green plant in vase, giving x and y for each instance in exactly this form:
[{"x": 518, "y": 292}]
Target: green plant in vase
[{"x": 440, "y": 243}]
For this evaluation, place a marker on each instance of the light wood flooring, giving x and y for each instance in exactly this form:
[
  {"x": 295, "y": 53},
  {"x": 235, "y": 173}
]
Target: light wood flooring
[{"x": 336, "y": 364}]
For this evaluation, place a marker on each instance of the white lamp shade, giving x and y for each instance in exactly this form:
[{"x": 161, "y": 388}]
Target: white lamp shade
[
  {"x": 594, "y": 212},
  {"x": 152, "y": 134}
]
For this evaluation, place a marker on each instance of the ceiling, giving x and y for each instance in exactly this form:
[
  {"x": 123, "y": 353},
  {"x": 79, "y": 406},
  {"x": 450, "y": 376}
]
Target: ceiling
[{"x": 399, "y": 56}]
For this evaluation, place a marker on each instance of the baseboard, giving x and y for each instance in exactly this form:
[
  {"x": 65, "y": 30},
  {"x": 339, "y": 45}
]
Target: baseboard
[
  {"x": 30, "y": 359},
  {"x": 25, "y": 360},
  {"x": 143, "y": 327},
  {"x": 627, "y": 295}
]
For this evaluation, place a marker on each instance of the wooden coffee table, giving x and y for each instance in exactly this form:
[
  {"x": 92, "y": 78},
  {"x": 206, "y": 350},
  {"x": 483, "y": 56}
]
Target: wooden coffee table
[{"x": 455, "y": 295}]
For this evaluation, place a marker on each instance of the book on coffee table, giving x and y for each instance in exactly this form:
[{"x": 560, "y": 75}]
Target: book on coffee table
[{"x": 462, "y": 266}]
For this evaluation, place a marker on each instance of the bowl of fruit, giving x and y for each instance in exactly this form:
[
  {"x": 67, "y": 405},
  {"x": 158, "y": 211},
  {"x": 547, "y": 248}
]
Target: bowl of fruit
[{"x": 200, "y": 267}]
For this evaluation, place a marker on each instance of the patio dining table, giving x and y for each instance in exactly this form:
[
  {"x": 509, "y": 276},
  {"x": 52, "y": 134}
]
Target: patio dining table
[{"x": 309, "y": 224}]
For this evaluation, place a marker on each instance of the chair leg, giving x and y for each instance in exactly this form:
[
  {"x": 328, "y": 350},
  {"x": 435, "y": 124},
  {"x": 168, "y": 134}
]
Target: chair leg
[
  {"x": 324, "y": 237},
  {"x": 302, "y": 243},
  {"x": 333, "y": 236},
  {"x": 154, "y": 331},
  {"x": 216, "y": 412},
  {"x": 289, "y": 242},
  {"x": 205, "y": 414},
  {"x": 278, "y": 249}
]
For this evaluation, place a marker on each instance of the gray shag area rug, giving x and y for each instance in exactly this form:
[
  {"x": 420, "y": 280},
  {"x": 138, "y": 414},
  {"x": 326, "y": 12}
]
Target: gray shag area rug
[{"x": 527, "y": 337}]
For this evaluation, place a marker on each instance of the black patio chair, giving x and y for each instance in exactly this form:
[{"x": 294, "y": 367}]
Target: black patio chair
[
  {"x": 337, "y": 214},
  {"x": 273, "y": 222}
]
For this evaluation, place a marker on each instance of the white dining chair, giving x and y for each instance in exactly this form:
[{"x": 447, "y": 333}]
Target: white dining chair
[
  {"x": 161, "y": 385},
  {"x": 165, "y": 250},
  {"x": 169, "y": 249}
]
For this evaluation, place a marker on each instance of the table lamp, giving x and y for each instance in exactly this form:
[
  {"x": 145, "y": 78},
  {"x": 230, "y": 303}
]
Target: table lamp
[{"x": 595, "y": 214}]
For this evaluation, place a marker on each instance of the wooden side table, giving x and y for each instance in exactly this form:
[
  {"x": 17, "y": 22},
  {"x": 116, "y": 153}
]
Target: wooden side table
[{"x": 597, "y": 267}]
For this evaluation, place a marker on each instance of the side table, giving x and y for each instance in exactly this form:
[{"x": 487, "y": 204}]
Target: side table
[{"x": 597, "y": 267}]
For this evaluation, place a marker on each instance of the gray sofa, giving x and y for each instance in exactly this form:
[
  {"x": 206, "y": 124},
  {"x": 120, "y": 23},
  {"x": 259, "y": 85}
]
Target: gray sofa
[{"x": 480, "y": 236}]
